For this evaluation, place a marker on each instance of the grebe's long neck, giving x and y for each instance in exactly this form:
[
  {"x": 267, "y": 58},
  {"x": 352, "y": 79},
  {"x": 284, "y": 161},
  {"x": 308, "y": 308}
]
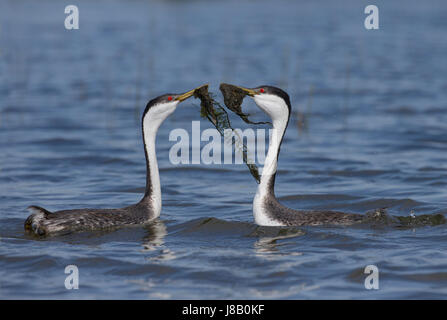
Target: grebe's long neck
[
  {"x": 153, "y": 188},
  {"x": 267, "y": 184}
]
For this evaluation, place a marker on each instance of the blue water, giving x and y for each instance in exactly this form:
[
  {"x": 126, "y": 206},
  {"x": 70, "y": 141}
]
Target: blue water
[{"x": 368, "y": 131}]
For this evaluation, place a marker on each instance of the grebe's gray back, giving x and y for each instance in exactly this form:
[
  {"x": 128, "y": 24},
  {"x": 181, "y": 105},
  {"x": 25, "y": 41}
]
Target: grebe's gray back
[
  {"x": 267, "y": 210},
  {"x": 44, "y": 222}
]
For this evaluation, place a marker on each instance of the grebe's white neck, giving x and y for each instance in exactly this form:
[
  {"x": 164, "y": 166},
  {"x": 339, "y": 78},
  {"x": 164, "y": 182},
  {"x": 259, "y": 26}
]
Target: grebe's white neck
[
  {"x": 152, "y": 120},
  {"x": 267, "y": 182},
  {"x": 278, "y": 110}
]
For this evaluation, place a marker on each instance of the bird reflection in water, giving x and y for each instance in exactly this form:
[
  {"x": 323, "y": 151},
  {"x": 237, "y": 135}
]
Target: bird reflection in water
[
  {"x": 154, "y": 241},
  {"x": 268, "y": 245}
]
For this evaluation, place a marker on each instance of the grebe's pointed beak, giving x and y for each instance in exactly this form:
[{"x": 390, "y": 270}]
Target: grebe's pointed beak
[{"x": 188, "y": 94}]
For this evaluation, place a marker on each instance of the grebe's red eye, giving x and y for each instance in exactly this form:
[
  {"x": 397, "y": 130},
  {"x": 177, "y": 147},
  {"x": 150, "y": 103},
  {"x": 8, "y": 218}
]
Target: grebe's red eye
[
  {"x": 169, "y": 98},
  {"x": 261, "y": 90}
]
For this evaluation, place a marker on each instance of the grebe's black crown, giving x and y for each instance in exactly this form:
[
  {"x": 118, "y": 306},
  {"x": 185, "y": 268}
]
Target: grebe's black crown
[
  {"x": 171, "y": 97},
  {"x": 161, "y": 99},
  {"x": 277, "y": 92}
]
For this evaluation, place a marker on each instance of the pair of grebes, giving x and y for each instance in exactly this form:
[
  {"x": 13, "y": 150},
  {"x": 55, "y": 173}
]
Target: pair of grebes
[{"x": 267, "y": 210}]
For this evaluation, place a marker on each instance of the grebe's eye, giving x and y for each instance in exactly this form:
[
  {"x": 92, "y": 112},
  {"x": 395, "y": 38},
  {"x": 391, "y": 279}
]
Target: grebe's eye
[
  {"x": 261, "y": 90},
  {"x": 169, "y": 98}
]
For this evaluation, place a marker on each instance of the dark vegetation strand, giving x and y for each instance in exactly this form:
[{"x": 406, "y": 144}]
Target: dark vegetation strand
[{"x": 216, "y": 114}]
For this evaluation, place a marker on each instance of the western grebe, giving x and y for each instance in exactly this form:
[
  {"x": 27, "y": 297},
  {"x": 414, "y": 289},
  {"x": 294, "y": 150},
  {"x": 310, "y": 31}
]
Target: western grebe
[
  {"x": 44, "y": 222},
  {"x": 267, "y": 210}
]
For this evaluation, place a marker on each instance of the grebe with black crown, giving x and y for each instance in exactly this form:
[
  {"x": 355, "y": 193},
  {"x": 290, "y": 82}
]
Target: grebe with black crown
[
  {"x": 43, "y": 222},
  {"x": 267, "y": 210}
]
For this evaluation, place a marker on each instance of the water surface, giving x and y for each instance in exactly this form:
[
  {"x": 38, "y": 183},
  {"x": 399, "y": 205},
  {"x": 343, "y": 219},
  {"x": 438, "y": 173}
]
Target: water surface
[{"x": 368, "y": 131}]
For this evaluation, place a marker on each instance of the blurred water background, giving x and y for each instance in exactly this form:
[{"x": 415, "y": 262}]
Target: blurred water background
[{"x": 368, "y": 131}]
